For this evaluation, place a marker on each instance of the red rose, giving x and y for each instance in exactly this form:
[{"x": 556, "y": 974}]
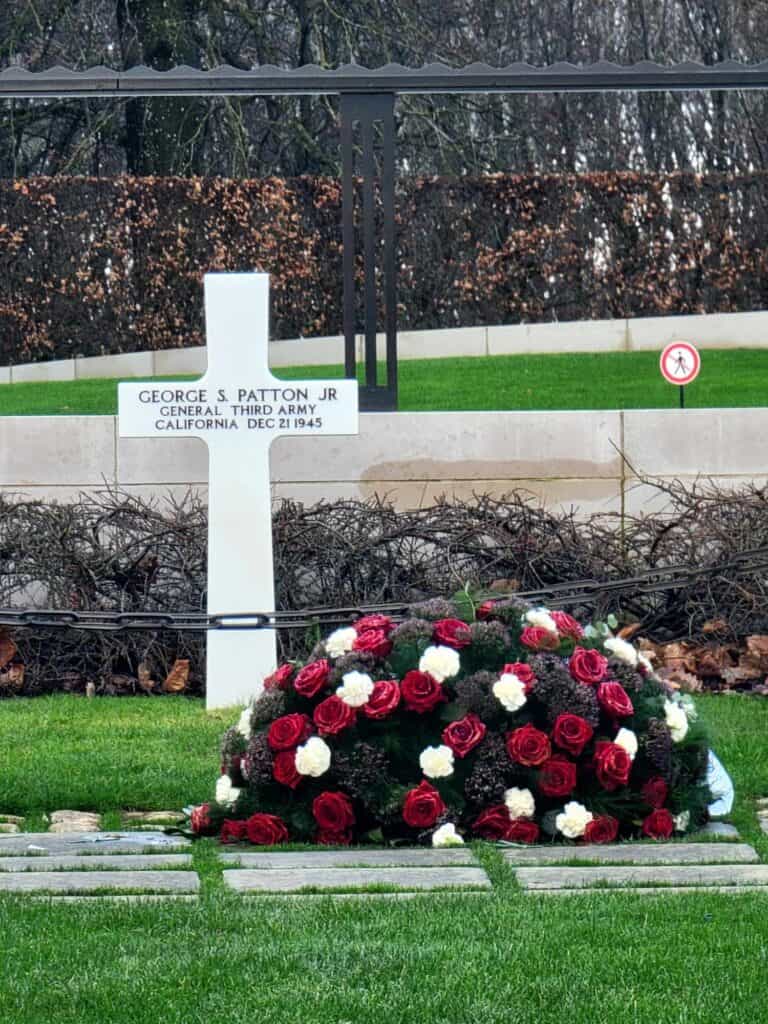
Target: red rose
[
  {"x": 284, "y": 769},
  {"x": 200, "y": 820},
  {"x": 572, "y": 733},
  {"x": 522, "y": 831},
  {"x": 312, "y": 678},
  {"x": 602, "y": 829},
  {"x": 453, "y": 633},
  {"x": 332, "y": 715},
  {"x": 493, "y": 823},
  {"x": 289, "y": 731},
  {"x": 464, "y": 735},
  {"x": 375, "y": 621},
  {"x": 279, "y": 679},
  {"x": 587, "y": 666},
  {"x": 614, "y": 699},
  {"x": 659, "y": 824},
  {"x": 333, "y": 838},
  {"x": 654, "y": 792},
  {"x": 373, "y": 641},
  {"x": 567, "y": 625},
  {"x": 266, "y": 830},
  {"x": 384, "y": 698},
  {"x": 557, "y": 777},
  {"x": 234, "y": 831},
  {"x": 539, "y": 639},
  {"x": 523, "y": 672},
  {"x": 613, "y": 765},
  {"x": 485, "y": 610},
  {"x": 528, "y": 746},
  {"x": 423, "y": 806},
  {"x": 333, "y": 812},
  {"x": 421, "y": 691}
]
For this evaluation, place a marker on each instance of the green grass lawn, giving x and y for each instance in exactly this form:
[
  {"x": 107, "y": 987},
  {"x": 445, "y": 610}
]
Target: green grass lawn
[
  {"x": 614, "y": 380},
  {"x": 465, "y": 959}
]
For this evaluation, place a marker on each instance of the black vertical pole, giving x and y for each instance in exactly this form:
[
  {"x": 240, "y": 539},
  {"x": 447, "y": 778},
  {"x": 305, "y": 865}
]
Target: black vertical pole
[
  {"x": 348, "y": 234},
  {"x": 682, "y": 396}
]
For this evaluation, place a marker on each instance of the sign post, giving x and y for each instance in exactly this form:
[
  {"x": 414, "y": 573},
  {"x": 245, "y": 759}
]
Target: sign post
[
  {"x": 680, "y": 363},
  {"x": 238, "y": 408}
]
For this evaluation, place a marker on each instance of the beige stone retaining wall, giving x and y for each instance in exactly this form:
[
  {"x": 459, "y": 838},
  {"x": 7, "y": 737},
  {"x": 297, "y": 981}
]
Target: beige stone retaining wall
[
  {"x": 563, "y": 458},
  {"x": 720, "y": 330}
]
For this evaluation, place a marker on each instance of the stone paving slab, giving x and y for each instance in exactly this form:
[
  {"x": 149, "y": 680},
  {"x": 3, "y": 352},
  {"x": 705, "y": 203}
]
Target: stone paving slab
[
  {"x": 89, "y": 843},
  {"x": 286, "y": 880},
  {"x": 87, "y": 881},
  {"x": 684, "y": 875},
  {"x": 116, "y": 862},
  {"x": 719, "y": 828},
  {"x": 423, "y": 858},
  {"x": 636, "y": 853}
]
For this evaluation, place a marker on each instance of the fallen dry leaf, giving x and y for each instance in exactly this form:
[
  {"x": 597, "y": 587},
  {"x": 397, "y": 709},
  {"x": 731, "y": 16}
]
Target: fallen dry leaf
[
  {"x": 13, "y": 678},
  {"x": 177, "y": 678},
  {"x": 146, "y": 682},
  {"x": 7, "y": 649},
  {"x": 627, "y": 632}
]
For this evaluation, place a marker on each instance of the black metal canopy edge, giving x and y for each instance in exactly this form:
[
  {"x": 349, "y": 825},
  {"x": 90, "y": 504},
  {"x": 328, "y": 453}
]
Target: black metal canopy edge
[{"x": 18, "y": 83}]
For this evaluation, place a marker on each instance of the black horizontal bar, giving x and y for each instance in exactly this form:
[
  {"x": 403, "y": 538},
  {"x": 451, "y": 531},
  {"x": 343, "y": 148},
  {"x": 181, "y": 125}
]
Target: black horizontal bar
[{"x": 18, "y": 83}]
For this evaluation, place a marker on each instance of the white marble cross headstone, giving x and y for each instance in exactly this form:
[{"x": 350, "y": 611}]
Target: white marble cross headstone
[{"x": 237, "y": 408}]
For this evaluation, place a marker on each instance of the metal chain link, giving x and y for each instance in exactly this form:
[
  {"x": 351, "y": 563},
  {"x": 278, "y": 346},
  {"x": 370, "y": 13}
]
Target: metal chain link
[{"x": 587, "y": 591}]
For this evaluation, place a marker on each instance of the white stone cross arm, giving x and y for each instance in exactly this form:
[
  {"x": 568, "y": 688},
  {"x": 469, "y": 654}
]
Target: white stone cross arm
[{"x": 238, "y": 408}]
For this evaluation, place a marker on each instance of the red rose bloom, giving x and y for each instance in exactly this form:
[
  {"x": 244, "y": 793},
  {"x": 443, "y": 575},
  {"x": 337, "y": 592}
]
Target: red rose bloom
[
  {"x": 567, "y": 625},
  {"x": 493, "y": 823},
  {"x": 384, "y": 698},
  {"x": 266, "y": 829},
  {"x": 571, "y": 733},
  {"x": 659, "y": 824},
  {"x": 528, "y": 746},
  {"x": 453, "y": 633},
  {"x": 539, "y": 639},
  {"x": 279, "y": 679},
  {"x": 613, "y": 765},
  {"x": 587, "y": 666},
  {"x": 557, "y": 777},
  {"x": 373, "y": 641},
  {"x": 289, "y": 731},
  {"x": 375, "y": 621},
  {"x": 284, "y": 769},
  {"x": 464, "y": 735},
  {"x": 312, "y": 678},
  {"x": 654, "y": 792},
  {"x": 333, "y": 812},
  {"x": 602, "y": 829},
  {"x": 614, "y": 699},
  {"x": 332, "y": 715},
  {"x": 200, "y": 820},
  {"x": 421, "y": 691},
  {"x": 522, "y": 831},
  {"x": 423, "y": 806},
  {"x": 234, "y": 831},
  {"x": 485, "y": 610},
  {"x": 325, "y": 838},
  {"x": 523, "y": 672}
]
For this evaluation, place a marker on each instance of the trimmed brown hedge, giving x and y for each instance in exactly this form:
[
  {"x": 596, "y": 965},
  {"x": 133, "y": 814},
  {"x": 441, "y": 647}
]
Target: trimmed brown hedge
[{"x": 91, "y": 266}]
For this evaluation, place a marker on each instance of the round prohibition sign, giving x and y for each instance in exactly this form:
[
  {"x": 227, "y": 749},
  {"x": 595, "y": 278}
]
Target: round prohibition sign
[{"x": 680, "y": 362}]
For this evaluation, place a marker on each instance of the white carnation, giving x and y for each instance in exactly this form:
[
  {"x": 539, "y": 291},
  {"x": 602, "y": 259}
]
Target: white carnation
[
  {"x": 226, "y": 794},
  {"x": 437, "y": 762},
  {"x": 621, "y": 649},
  {"x": 520, "y": 802},
  {"x": 355, "y": 689},
  {"x": 540, "y": 617},
  {"x": 573, "y": 819},
  {"x": 628, "y": 740},
  {"x": 644, "y": 661},
  {"x": 682, "y": 821},
  {"x": 446, "y": 835},
  {"x": 510, "y": 691},
  {"x": 440, "y": 662},
  {"x": 313, "y": 757},
  {"x": 340, "y": 642},
  {"x": 244, "y": 723},
  {"x": 677, "y": 720}
]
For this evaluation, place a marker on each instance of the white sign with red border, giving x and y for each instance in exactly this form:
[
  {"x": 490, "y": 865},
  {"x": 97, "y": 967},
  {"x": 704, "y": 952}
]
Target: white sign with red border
[{"x": 680, "y": 362}]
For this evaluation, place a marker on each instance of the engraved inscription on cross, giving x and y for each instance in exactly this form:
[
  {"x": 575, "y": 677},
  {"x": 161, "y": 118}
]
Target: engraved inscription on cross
[{"x": 237, "y": 408}]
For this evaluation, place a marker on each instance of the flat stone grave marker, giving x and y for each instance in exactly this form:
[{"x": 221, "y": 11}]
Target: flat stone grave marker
[
  {"x": 460, "y": 856},
  {"x": 238, "y": 408},
  {"x": 636, "y": 853},
  {"x": 114, "y": 862},
  {"x": 686, "y": 875},
  {"x": 86, "y": 843},
  {"x": 277, "y": 880},
  {"x": 81, "y": 882}
]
